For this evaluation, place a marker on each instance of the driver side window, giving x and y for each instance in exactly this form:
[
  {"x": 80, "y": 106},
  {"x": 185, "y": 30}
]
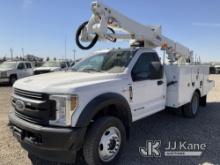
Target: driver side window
[
  {"x": 141, "y": 70},
  {"x": 21, "y": 66}
]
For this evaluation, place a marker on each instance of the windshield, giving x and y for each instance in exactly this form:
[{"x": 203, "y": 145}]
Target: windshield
[
  {"x": 8, "y": 65},
  {"x": 112, "y": 62},
  {"x": 51, "y": 64}
]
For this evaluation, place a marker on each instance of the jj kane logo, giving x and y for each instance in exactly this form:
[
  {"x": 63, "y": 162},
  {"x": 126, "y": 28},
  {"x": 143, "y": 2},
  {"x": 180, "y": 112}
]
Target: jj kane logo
[
  {"x": 152, "y": 149},
  {"x": 175, "y": 148}
]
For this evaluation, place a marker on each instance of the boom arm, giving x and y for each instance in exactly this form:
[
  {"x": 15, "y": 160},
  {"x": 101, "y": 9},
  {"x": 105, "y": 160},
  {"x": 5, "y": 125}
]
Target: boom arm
[{"x": 105, "y": 18}]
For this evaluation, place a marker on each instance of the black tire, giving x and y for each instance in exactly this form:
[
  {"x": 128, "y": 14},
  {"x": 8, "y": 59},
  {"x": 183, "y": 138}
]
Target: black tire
[
  {"x": 203, "y": 101},
  {"x": 188, "y": 109},
  {"x": 78, "y": 32},
  {"x": 93, "y": 138},
  {"x": 13, "y": 78}
]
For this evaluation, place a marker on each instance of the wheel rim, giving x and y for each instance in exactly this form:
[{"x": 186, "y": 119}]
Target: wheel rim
[
  {"x": 195, "y": 104},
  {"x": 110, "y": 144}
]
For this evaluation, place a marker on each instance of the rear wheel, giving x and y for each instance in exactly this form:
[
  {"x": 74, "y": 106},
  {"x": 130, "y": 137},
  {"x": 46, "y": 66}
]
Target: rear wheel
[
  {"x": 190, "y": 110},
  {"x": 104, "y": 141},
  {"x": 203, "y": 101}
]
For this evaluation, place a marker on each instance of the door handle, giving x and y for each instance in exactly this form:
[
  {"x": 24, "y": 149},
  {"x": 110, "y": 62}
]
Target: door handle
[{"x": 160, "y": 82}]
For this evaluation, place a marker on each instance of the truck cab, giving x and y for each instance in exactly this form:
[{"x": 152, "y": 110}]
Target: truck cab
[{"x": 10, "y": 71}]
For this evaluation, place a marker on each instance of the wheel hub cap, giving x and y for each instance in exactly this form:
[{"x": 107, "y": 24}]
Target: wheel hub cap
[
  {"x": 195, "y": 104},
  {"x": 110, "y": 143}
]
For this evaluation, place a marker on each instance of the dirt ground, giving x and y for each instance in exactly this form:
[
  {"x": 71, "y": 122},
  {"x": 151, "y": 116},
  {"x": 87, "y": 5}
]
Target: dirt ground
[{"x": 164, "y": 126}]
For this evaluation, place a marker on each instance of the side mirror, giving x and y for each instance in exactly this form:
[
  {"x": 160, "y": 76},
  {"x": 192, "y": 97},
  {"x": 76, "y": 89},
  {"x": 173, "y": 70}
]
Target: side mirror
[
  {"x": 140, "y": 76},
  {"x": 156, "y": 70}
]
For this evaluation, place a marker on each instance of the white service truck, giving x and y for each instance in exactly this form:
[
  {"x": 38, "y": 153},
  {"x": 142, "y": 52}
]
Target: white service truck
[{"x": 92, "y": 108}]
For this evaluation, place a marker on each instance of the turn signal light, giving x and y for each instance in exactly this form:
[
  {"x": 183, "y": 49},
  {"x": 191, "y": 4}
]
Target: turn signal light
[{"x": 74, "y": 103}]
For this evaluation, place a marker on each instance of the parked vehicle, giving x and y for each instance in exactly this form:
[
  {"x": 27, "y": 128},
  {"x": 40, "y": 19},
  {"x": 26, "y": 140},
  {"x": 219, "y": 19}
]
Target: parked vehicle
[
  {"x": 10, "y": 71},
  {"x": 56, "y": 116},
  {"x": 51, "y": 66},
  {"x": 214, "y": 69}
]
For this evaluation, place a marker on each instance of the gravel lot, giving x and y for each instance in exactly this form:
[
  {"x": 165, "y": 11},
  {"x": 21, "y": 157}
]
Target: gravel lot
[{"x": 165, "y": 126}]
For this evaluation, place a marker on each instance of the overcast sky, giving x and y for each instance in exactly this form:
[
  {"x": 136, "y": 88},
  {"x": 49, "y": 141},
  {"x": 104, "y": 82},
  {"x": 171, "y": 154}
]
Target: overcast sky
[{"x": 41, "y": 26}]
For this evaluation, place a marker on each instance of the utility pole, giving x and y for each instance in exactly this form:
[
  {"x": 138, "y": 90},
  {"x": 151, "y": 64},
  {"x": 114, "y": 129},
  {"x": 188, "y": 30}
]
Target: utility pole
[
  {"x": 22, "y": 50},
  {"x": 65, "y": 47},
  {"x": 11, "y": 51},
  {"x": 74, "y": 55}
]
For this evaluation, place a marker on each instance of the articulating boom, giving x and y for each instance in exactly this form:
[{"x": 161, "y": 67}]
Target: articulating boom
[{"x": 105, "y": 22}]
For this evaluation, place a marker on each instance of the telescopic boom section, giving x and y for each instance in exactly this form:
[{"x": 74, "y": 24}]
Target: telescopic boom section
[{"x": 105, "y": 21}]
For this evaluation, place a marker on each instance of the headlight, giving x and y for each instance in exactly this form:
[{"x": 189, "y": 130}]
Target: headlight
[
  {"x": 3, "y": 74},
  {"x": 65, "y": 107}
]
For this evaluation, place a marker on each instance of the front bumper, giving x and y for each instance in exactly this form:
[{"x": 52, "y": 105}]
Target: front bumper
[
  {"x": 50, "y": 143},
  {"x": 4, "y": 80}
]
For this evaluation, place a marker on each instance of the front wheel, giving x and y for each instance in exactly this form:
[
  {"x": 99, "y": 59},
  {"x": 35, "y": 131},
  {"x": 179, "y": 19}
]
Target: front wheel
[
  {"x": 190, "y": 110},
  {"x": 13, "y": 79},
  {"x": 104, "y": 141}
]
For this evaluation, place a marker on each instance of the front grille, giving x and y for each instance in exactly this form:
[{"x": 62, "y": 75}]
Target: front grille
[
  {"x": 33, "y": 120},
  {"x": 39, "y": 109},
  {"x": 29, "y": 95},
  {"x": 36, "y": 72}
]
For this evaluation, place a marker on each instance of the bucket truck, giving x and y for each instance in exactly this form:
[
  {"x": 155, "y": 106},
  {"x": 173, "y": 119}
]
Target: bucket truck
[{"x": 90, "y": 111}]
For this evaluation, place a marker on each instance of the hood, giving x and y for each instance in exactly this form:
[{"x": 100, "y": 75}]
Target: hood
[
  {"x": 6, "y": 69},
  {"x": 47, "y": 68},
  {"x": 62, "y": 81}
]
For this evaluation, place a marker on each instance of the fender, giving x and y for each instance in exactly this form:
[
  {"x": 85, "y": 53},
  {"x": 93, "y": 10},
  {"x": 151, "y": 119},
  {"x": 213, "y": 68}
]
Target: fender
[
  {"x": 198, "y": 91},
  {"x": 13, "y": 74},
  {"x": 97, "y": 104}
]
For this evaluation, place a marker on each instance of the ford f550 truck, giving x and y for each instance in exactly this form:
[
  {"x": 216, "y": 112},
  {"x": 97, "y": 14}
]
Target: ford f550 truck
[{"x": 92, "y": 108}]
